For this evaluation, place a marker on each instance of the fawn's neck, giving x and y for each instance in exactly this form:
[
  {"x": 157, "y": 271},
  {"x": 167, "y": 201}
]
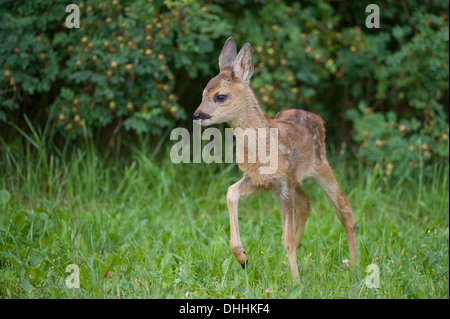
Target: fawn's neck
[{"x": 252, "y": 117}]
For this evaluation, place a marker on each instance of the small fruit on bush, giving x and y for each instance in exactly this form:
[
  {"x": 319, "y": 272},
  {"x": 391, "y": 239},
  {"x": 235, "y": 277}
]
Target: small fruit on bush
[
  {"x": 291, "y": 79},
  {"x": 317, "y": 58},
  {"x": 130, "y": 107},
  {"x": 403, "y": 129},
  {"x": 294, "y": 90},
  {"x": 174, "y": 110},
  {"x": 445, "y": 137},
  {"x": 378, "y": 143},
  {"x": 7, "y": 75},
  {"x": 112, "y": 105},
  {"x": 129, "y": 68}
]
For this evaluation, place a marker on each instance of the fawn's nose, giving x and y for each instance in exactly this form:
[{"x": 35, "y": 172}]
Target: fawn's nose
[{"x": 201, "y": 116}]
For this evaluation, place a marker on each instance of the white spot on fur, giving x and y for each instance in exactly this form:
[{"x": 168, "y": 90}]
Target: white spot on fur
[{"x": 284, "y": 149}]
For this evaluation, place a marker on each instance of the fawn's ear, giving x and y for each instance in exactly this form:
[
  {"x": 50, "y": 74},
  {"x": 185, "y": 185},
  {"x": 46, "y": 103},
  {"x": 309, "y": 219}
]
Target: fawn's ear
[
  {"x": 227, "y": 55},
  {"x": 243, "y": 64}
]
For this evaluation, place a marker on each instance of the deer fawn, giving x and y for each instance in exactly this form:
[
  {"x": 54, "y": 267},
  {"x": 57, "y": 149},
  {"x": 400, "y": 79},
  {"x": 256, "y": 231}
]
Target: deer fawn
[{"x": 301, "y": 154}]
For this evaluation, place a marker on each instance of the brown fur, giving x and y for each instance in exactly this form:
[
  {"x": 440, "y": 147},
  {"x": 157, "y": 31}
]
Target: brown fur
[{"x": 301, "y": 154}]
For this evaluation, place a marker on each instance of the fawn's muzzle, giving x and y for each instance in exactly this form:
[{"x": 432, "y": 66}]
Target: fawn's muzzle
[{"x": 201, "y": 116}]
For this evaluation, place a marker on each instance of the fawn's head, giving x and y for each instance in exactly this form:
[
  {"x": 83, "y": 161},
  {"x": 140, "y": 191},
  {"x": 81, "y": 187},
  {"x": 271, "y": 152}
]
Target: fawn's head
[{"x": 223, "y": 97}]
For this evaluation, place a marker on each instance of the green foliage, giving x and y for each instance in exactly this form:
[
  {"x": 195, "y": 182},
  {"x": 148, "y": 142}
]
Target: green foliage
[
  {"x": 140, "y": 66},
  {"x": 406, "y": 126},
  {"x": 119, "y": 68}
]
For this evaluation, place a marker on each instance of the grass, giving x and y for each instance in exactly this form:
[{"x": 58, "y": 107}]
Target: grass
[{"x": 140, "y": 227}]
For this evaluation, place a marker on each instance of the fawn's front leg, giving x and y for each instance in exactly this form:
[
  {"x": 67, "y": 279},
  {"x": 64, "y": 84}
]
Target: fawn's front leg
[{"x": 244, "y": 187}]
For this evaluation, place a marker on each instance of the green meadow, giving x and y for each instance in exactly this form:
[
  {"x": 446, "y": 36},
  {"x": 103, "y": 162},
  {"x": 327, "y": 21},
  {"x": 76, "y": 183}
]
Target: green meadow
[{"x": 139, "y": 226}]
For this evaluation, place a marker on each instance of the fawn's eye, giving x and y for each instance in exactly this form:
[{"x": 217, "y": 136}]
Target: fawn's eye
[{"x": 221, "y": 98}]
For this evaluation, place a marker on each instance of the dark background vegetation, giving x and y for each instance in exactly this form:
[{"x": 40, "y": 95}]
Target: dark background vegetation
[{"x": 137, "y": 68}]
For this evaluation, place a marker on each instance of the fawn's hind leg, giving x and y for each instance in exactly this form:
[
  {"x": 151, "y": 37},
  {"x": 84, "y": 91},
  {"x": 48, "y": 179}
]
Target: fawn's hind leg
[
  {"x": 286, "y": 198},
  {"x": 302, "y": 208},
  {"x": 324, "y": 177}
]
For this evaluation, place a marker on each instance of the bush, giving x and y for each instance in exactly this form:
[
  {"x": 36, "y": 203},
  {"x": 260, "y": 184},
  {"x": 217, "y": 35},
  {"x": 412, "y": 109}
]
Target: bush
[
  {"x": 406, "y": 123},
  {"x": 118, "y": 68},
  {"x": 140, "y": 66}
]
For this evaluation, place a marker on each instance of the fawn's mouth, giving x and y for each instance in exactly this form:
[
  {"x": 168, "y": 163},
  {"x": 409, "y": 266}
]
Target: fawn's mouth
[
  {"x": 202, "y": 118},
  {"x": 205, "y": 122}
]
